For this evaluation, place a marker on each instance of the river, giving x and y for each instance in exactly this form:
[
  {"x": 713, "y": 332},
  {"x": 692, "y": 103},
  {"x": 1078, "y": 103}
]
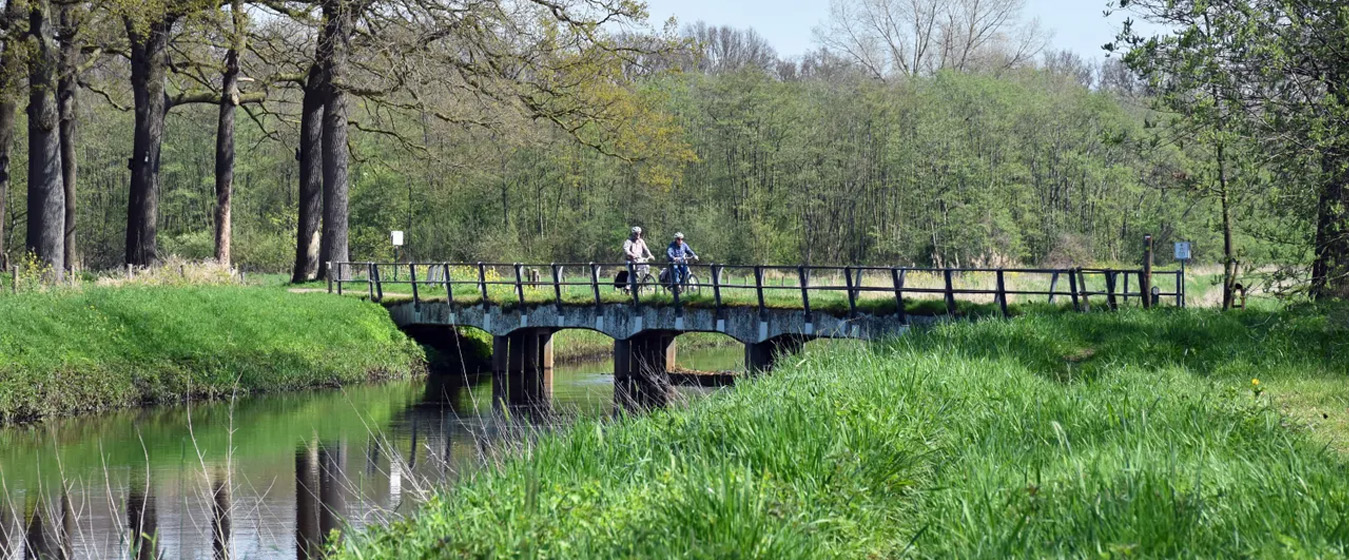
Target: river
[{"x": 264, "y": 476}]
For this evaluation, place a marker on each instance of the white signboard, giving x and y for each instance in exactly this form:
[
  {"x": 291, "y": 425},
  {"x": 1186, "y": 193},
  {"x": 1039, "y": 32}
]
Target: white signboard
[
  {"x": 1183, "y": 250},
  {"x": 397, "y": 237}
]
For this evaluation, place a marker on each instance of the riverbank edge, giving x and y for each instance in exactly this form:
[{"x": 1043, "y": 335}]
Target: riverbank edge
[
  {"x": 73, "y": 352},
  {"x": 747, "y": 471}
]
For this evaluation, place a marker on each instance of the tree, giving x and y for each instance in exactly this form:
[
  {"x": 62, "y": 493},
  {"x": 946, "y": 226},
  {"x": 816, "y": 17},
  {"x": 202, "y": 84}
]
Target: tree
[
  {"x": 46, "y": 194},
  {"x": 913, "y": 37},
  {"x": 229, "y": 100},
  {"x": 1269, "y": 75},
  {"x": 10, "y": 72}
]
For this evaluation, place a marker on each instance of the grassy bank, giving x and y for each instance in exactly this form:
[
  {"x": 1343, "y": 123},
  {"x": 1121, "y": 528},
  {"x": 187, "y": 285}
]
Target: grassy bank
[
  {"x": 1108, "y": 435},
  {"x": 78, "y": 350}
]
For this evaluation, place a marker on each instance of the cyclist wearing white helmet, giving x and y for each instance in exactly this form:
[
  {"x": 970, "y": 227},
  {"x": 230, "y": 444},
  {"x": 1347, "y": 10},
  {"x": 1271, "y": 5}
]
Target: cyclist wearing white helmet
[
  {"x": 635, "y": 250},
  {"x": 679, "y": 253}
]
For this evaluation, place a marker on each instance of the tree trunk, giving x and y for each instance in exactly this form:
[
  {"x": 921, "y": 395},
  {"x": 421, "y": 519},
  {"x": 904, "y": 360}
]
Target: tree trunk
[
  {"x": 333, "y": 245},
  {"x": 229, "y": 99},
  {"x": 9, "y": 106},
  {"x": 46, "y": 195},
  {"x": 1330, "y": 245},
  {"x": 67, "y": 87},
  {"x": 311, "y": 179},
  {"x": 149, "y": 61},
  {"x": 1229, "y": 261}
]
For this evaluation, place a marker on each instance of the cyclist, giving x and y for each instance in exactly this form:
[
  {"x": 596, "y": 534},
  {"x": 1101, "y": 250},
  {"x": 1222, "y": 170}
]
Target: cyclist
[
  {"x": 679, "y": 253},
  {"x": 635, "y": 250}
]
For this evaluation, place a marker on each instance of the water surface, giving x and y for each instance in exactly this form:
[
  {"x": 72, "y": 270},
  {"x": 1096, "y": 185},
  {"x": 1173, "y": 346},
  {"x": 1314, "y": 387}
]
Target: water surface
[{"x": 266, "y": 476}]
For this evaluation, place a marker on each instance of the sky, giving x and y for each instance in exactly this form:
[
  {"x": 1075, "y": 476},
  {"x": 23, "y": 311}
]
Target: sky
[{"x": 1076, "y": 25}]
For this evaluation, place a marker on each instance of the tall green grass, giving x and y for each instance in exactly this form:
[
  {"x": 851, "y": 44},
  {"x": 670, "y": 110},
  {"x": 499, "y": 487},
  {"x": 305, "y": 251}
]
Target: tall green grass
[
  {"x": 1135, "y": 434},
  {"x": 77, "y": 350}
]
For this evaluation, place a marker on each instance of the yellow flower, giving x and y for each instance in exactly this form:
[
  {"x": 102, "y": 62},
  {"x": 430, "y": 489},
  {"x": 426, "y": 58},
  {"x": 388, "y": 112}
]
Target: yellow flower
[{"x": 1256, "y": 381}]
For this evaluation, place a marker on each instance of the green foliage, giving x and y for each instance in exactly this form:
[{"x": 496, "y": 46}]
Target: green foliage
[
  {"x": 82, "y": 350},
  {"x": 1130, "y": 434}
]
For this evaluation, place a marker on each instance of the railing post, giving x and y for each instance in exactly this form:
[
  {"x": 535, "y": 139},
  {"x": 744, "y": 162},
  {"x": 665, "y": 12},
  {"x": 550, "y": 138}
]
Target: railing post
[
  {"x": 1181, "y": 286},
  {"x": 632, "y": 283},
  {"x": 1146, "y": 282},
  {"x": 370, "y": 279},
  {"x": 1111, "y": 289},
  {"x": 759, "y": 289},
  {"x": 557, "y": 287},
  {"x": 1002, "y": 293},
  {"x": 1054, "y": 279},
  {"x": 716, "y": 272},
  {"x": 449, "y": 286},
  {"x": 482, "y": 283},
  {"x": 898, "y": 282},
  {"x": 804, "y": 280},
  {"x": 329, "y": 268},
  {"x": 520, "y": 288},
  {"x": 947, "y": 291},
  {"x": 852, "y": 296},
  {"x": 379, "y": 284},
  {"x": 1073, "y": 290},
  {"x": 675, "y": 293},
  {"x": 412, "y": 279},
  {"x": 1083, "y": 288},
  {"x": 595, "y": 282}
]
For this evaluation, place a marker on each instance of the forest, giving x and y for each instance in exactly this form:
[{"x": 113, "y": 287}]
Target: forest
[{"x": 539, "y": 131}]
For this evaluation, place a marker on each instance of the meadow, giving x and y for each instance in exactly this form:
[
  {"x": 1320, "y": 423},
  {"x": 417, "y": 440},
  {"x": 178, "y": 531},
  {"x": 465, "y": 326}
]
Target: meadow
[{"x": 1178, "y": 433}]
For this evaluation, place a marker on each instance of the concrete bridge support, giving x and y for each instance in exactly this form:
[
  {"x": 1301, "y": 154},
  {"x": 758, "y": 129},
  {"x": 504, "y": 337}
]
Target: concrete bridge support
[
  {"x": 522, "y": 368},
  {"x": 641, "y": 370},
  {"x": 761, "y": 356}
]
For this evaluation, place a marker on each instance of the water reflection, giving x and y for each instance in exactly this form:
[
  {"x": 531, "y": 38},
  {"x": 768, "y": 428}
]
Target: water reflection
[{"x": 272, "y": 476}]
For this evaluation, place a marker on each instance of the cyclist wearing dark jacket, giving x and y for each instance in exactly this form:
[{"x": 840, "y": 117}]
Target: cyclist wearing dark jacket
[{"x": 679, "y": 253}]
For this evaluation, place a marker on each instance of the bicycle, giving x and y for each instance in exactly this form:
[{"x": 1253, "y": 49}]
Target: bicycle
[
  {"x": 645, "y": 284},
  {"x": 689, "y": 283}
]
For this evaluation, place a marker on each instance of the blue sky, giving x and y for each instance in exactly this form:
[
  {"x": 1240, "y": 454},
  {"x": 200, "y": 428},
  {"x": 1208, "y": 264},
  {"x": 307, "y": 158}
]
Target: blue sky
[{"x": 1076, "y": 25}]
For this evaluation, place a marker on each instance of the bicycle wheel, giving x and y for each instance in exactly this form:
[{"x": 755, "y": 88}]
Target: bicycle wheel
[
  {"x": 647, "y": 285},
  {"x": 691, "y": 284}
]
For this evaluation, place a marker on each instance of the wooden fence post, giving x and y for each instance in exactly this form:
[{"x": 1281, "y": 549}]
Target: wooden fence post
[
  {"x": 520, "y": 288},
  {"x": 449, "y": 287},
  {"x": 1146, "y": 282},
  {"x": 557, "y": 285},
  {"x": 898, "y": 281},
  {"x": 482, "y": 283},
  {"x": 852, "y": 295},
  {"x": 1111, "y": 290},
  {"x": 595, "y": 282},
  {"x": 1073, "y": 290},
  {"x": 759, "y": 290},
  {"x": 1001, "y": 293},
  {"x": 329, "y": 266},
  {"x": 803, "y": 280},
  {"x": 1054, "y": 279},
  {"x": 412, "y": 280},
  {"x": 947, "y": 291}
]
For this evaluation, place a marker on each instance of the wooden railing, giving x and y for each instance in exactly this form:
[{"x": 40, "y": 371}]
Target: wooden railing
[{"x": 796, "y": 286}]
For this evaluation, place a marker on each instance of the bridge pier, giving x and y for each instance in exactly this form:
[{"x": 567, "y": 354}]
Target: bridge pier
[
  {"x": 522, "y": 368},
  {"x": 761, "y": 356},
  {"x": 641, "y": 370}
]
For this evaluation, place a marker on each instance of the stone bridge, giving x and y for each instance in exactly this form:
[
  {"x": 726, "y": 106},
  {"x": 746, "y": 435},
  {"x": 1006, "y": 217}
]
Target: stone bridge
[{"x": 644, "y": 339}]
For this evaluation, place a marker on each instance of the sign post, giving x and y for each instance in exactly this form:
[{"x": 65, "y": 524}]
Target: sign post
[{"x": 1182, "y": 251}]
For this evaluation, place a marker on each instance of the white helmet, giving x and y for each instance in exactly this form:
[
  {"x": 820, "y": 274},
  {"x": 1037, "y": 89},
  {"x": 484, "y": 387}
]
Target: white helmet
[
  {"x": 679, "y": 235},
  {"x": 636, "y": 230}
]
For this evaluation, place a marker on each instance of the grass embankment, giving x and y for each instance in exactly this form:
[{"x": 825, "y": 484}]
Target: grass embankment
[
  {"x": 1106, "y": 435},
  {"x": 78, "y": 350}
]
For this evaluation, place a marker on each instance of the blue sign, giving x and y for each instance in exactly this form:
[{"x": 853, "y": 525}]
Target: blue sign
[{"x": 1182, "y": 250}]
